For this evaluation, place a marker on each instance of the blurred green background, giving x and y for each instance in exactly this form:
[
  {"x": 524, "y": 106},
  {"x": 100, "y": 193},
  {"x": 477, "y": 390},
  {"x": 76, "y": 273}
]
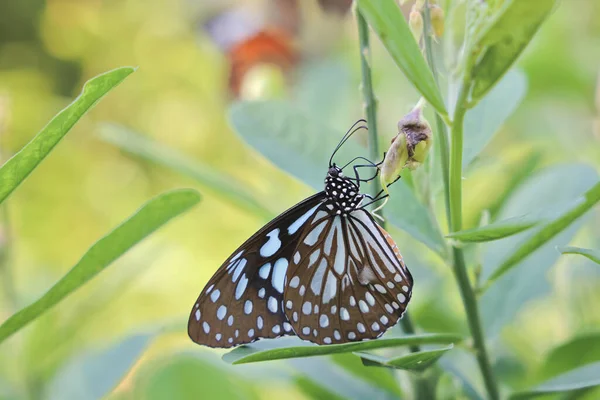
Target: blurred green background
[{"x": 179, "y": 98}]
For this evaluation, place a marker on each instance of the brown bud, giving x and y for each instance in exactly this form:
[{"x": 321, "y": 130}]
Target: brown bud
[{"x": 437, "y": 19}]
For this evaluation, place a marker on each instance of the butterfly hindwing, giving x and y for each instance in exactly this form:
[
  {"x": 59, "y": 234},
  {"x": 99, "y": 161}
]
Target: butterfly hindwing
[
  {"x": 352, "y": 283},
  {"x": 243, "y": 300}
]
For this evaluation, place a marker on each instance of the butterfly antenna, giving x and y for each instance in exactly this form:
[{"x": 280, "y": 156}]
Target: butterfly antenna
[{"x": 346, "y": 136}]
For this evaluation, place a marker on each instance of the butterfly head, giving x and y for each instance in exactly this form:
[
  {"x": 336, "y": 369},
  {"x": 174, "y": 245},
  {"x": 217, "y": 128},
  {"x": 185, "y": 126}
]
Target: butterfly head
[{"x": 341, "y": 191}]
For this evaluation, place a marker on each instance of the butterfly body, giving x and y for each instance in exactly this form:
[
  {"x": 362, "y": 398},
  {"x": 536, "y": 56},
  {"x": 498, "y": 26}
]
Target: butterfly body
[{"x": 324, "y": 270}]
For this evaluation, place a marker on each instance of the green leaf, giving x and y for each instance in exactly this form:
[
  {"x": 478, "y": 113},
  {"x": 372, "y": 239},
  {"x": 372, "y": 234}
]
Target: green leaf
[
  {"x": 15, "y": 170},
  {"x": 549, "y": 230},
  {"x": 219, "y": 183},
  {"x": 576, "y": 352},
  {"x": 93, "y": 375},
  {"x": 486, "y": 118},
  {"x": 501, "y": 41},
  {"x": 302, "y": 147},
  {"x": 418, "y": 361},
  {"x": 247, "y": 354},
  {"x": 580, "y": 378},
  {"x": 352, "y": 363},
  {"x": 386, "y": 19},
  {"x": 593, "y": 255},
  {"x": 185, "y": 376},
  {"x": 146, "y": 220},
  {"x": 494, "y": 231},
  {"x": 539, "y": 198},
  {"x": 315, "y": 391}
]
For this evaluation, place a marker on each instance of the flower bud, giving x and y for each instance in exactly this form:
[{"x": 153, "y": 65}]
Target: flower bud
[
  {"x": 418, "y": 135},
  {"x": 415, "y": 22},
  {"x": 437, "y": 19},
  {"x": 409, "y": 148},
  {"x": 419, "y": 4}
]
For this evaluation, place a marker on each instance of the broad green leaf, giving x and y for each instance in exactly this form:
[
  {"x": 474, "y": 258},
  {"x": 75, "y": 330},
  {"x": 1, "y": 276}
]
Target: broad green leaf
[
  {"x": 313, "y": 390},
  {"x": 494, "y": 231},
  {"x": 538, "y": 198},
  {"x": 246, "y": 354},
  {"x": 580, "y": 378},
  {"x": 352, "y": 363},
  {"x": 226, "y": 186},
  {"x": 302, "y": 147},
  {"x": 93, "y": 375},
  {"x": 418, "y": 361},
  {"x": 501, "y": 41},
  {"x": 593, "y": 255},
  {"x": 146, "y": 220},
  {"x": 578, "y": 351},
  {"x": 386, "y": 19},
  {"x": 337, "y": 380},
  {"x": 16, "y": 169},
  {"x": 548, "y": 231},
  {"x": 185, "y": 376},
  {"x": 486, "y": 118}
]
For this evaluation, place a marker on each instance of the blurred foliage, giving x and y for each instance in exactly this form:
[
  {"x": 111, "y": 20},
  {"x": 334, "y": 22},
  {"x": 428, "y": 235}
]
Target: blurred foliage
[{"x": 531, "y": 149}]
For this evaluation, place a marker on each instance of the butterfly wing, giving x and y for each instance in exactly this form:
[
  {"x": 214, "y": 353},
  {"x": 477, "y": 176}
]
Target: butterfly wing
[
  {"x": 242, "y": 302},
  {"x": 351, "y": 285}
]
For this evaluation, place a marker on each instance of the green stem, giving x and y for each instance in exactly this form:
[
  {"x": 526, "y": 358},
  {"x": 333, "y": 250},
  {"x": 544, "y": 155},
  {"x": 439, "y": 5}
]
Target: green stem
[
  {"x": 460, "y": 269},
  {"x": 370, "y": 102},
  {"x": 422, "y": 389},
  {"x": 441, "y": 138}
]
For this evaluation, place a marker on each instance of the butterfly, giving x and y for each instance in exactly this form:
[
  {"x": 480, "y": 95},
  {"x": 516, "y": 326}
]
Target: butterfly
[{"x": 324, "y": 270}]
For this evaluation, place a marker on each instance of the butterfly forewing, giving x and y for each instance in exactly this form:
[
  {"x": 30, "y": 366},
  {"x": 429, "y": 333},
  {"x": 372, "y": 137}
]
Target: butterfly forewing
[
  {"x": 351, "y": 284},
  {"x": 243, "y": 300}
]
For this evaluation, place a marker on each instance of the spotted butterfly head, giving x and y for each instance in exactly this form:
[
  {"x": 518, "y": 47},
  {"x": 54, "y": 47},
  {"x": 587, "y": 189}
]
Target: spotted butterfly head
[{"x": 341, "y": 191}]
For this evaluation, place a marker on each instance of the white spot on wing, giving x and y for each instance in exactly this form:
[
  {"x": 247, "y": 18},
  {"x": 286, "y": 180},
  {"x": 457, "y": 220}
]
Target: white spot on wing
[
  {"x": 264, "y": 271},
  {"x": 317, "y": 280},
  {"x": 214, "y": 296},
  {"x": 272, "y": 245},
  {"x": 248, "y": 307},
  {"x": 313, "y": 235},
  {"x": 221, "y": 312},
  {"x": 272, "y": 304},
  {"x": 279, "y": 270},
  {"x": 241, "y": 287},
  {"x": 330, "y": 288},
  {"x": 293, "y": 228}
]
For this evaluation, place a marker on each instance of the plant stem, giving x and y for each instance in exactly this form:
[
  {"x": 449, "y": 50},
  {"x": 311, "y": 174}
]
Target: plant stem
[
  {"x": 370, "y": 102},
  {"x": 422, "y": 387},
  {"x": 460, "y": 270},
  {"x": 441, "y": 139}
]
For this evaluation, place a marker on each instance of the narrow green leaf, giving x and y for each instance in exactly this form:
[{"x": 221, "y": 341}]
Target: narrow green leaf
[
  {"x": 247, "y": 354},
  {"x": 16, "y": 169},
  {"x": 386, "y": 19},
  {"x": 226, "y": 186},
  {"x": 593, "y": 255},
  {"x": 302, "y": 147},
  {"x": 494, "y": 231},
  {"x": 418, "y": 361},
  {"x": 146, "y": 220},
  {"x": 93, "y": 375},
  {"x": 580, "y": 378},
  {"x": 551, "y": 229},
  {"x": 486, "y": 118},
  {"x": 503, "y": 39}
]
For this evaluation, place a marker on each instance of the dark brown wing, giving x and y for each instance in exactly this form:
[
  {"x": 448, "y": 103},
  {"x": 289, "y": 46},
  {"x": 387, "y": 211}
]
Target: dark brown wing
[
  {"x": 351, "y": 285},
  {"x": 242, "y": 302}
]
